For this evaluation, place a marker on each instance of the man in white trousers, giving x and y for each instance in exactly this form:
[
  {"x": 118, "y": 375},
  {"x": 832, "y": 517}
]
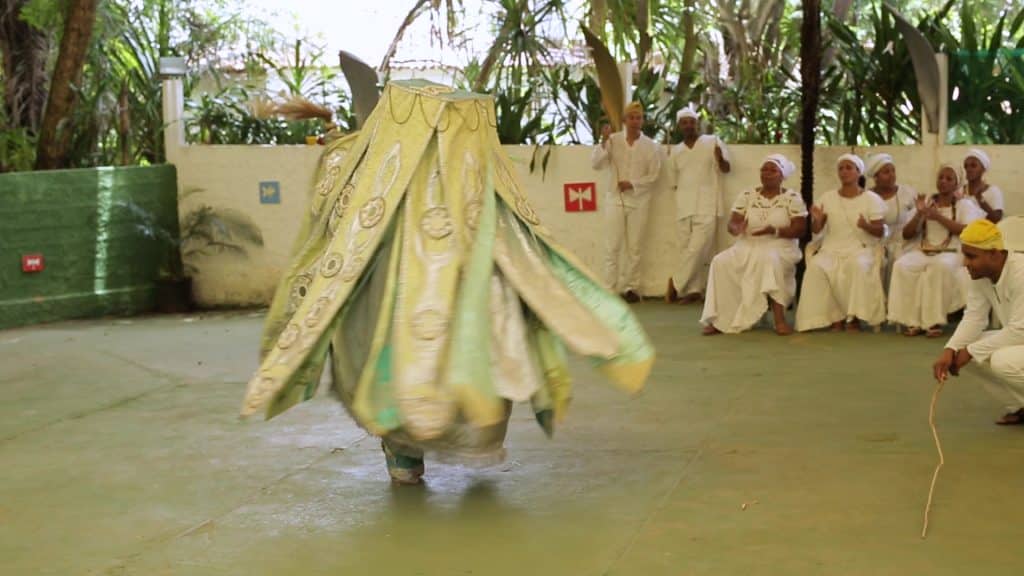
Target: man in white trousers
[
  {"x": 997, "y": 285},
  {"x": 635, "y": 161},
  {"x": 695, "y": 164}
]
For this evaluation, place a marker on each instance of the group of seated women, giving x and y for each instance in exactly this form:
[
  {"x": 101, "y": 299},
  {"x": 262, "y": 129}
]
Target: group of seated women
[{"x": 864, "y": 241}]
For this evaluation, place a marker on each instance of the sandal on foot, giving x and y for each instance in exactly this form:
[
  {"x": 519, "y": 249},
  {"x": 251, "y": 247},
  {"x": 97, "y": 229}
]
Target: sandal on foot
[
  {"x": 933, "y": 332},
  {"x": 913, "y": 331}
]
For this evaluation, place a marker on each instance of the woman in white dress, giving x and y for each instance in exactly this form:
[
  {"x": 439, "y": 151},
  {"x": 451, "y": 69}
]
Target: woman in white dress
[
  {"x": 926, "y": 280},
  {"x": 899, "y": 202},
  {"x": 843, "y": 281},
  {"x": 759, "y": 271},
  {"x": 987, "y": 197}
]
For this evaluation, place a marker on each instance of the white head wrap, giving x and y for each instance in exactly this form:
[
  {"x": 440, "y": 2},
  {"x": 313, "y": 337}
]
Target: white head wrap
[
  {"x": 956, "y": 171},
  {"x": 785, "y": 166},
  {"x": 687, "y": 113},
  {"x": 876, "y": 162},
  {"x": 981, "y": 156},
  {"x": 854, "y": 159}
]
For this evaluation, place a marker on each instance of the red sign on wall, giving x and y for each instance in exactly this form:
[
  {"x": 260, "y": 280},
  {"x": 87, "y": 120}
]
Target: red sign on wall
[
  {"x": 580, "y": 196},
  {"x": 32, "y": 263}
]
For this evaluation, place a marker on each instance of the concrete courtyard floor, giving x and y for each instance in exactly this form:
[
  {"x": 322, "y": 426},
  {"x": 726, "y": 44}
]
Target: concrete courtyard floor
[{"x": 122, "y": 455}]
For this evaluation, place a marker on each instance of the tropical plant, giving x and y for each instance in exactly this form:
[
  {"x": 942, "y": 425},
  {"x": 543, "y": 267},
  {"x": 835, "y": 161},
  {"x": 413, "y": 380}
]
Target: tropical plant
[
  {"x": 24, "y": 52},
  {"x": 655, "y": 91},
  {"x": 17, "y": 147},
  {"x": 575, "y": 104},
  {"x": 885, "y": 108},
  {"x": 301, "y": 72},
  {"x": 736, "y": 59},
  {"x": 228, "y": 117},
  {"x": 133, "y": 59},
  {"x": 765, "y": 112},
  {"x": 118, "y": 117},
  {"x": 517, "y": 121},
  {"x": 986, "y": 80},
  {"x": 237, "y": 115}
]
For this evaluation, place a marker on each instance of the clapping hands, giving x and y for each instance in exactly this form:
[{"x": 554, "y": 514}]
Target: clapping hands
[{"x": 817, "y": 214}]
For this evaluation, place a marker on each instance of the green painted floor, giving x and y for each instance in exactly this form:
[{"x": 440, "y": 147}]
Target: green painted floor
[{"x": 121, "y": 455}]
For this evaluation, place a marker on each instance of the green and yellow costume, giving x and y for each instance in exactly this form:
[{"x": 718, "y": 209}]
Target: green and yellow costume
[{"x": 424, "y": 271}]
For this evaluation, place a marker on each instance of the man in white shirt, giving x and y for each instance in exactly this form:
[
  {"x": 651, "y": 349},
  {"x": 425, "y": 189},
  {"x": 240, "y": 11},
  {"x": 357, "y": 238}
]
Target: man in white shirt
[
  {"x": 636, "y": 162},
  {"x": 997, "y": 285},
  {"x": 695, "y": 164}
]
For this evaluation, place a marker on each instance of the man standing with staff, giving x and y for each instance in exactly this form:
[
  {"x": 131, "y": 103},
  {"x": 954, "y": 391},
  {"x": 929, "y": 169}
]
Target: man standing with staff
[
  {"x": 695, "y": 164},
  {"x": 636, "y": 162}
]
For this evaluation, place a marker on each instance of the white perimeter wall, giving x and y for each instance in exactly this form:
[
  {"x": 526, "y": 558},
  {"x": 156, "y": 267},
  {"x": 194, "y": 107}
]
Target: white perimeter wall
[{"x": 230, "y": 176}]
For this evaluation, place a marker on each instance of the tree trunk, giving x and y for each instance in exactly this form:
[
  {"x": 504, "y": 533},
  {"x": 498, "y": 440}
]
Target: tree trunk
[
  {"x": 74, "y": 46},
  {"x": 734, "y": 33},
  {"x": 687, "y": 74},
  {"x": 124, "y": 126},
  {"x": 23, "y": 50},
  {"x": 810, "y": 77}
]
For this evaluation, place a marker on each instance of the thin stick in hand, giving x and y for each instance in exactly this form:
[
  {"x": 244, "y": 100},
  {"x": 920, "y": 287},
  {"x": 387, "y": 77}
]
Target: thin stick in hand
[{"x": 942, "y": 459}]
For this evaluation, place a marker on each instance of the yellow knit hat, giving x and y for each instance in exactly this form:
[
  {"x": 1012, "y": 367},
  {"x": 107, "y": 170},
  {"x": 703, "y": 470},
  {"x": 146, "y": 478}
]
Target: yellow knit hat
[{"x": 983, "y": 235}]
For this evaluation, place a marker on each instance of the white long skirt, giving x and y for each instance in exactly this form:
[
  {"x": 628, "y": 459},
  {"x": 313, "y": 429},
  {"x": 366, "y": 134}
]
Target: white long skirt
[
  {"x": 925, "y": 289},
  {"x": 841, "y": 286},
  {"x": 894, "y": 249},
  {"x": 744, "y": 277}
]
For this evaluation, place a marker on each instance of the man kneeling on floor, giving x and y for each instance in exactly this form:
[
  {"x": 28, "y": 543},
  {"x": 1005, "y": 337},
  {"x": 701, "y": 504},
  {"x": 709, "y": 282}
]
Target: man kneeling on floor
[{"x": 997, "y": 285}]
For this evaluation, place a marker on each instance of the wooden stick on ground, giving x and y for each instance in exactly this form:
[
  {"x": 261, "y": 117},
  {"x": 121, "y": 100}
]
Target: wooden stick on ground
[{"x": 942, "y": 459}]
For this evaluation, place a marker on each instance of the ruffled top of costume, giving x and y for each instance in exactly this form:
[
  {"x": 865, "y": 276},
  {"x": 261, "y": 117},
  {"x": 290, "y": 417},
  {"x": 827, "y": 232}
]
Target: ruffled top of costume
[
  {"x": 428, "y": 89},
  {"x": 420, "y": 100}
]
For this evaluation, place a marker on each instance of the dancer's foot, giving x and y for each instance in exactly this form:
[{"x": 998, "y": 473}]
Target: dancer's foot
[
  {"x": 631, "y": 296},
  {"x": 783, "y": 329},
  {"x": 853, "y": 325},
  {"x": 934, "y": 332},
  {"x": 710, "y": 330},
  {"x": 403, "y": 469},
  {"x": 836, "y": 327},
  {"x": 913, "y": 331}
]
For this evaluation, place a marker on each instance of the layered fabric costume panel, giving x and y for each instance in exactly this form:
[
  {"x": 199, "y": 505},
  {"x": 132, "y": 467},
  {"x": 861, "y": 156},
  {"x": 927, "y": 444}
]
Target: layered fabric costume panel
[{"x": 424, "y": 276}]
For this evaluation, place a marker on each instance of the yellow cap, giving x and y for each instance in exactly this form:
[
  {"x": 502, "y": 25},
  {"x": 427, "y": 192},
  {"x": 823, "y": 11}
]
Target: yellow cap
[{"x": 983, "y": 235}]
